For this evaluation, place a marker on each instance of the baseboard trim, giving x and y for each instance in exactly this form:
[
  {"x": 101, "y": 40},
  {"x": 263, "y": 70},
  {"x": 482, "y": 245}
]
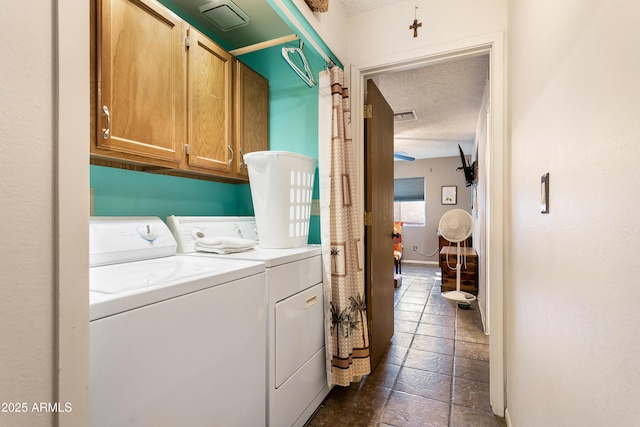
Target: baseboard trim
[{"x": 411, "y": 261}]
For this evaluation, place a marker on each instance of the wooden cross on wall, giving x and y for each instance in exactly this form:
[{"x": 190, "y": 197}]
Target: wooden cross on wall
[{"x": 415, "y": 26}]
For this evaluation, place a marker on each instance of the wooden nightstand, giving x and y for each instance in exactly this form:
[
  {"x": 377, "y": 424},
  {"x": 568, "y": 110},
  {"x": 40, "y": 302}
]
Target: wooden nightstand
[{"x": 468, "y": 275}]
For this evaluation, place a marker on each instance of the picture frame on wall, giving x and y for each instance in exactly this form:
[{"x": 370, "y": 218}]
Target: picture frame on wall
[{"x": 449, "y": 194}]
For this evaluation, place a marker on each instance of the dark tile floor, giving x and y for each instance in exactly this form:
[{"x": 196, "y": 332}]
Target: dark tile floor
[{"x": 434, "y": 373}]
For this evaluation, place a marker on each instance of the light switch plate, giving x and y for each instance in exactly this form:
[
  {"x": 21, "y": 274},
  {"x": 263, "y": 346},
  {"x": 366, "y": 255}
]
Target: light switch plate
[{"x": 544, "y": 193}]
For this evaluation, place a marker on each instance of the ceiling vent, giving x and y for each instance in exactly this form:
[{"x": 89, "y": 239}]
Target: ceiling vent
[
  {"x": 225, "y": 14},
  {"x": 405, "y": 116}
]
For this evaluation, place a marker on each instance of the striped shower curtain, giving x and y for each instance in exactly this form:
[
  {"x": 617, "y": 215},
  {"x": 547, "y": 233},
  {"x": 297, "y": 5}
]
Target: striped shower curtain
[{"x": 346, "y": 332}]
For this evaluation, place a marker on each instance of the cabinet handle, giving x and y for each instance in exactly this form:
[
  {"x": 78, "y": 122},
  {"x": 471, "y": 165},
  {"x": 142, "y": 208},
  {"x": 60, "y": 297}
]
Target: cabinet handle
[
  {"x": 241, "y": 158},
  {"x": 105, "y": 109},
  {"x": 231, "y": 159}
]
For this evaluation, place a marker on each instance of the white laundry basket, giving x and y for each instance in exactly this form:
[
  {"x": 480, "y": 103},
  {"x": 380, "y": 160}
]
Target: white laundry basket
[{"x": 281, "y": 186}]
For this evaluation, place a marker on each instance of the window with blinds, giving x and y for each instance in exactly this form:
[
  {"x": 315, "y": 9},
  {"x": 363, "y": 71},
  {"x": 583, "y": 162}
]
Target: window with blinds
[{"x": 408, "y": 201}]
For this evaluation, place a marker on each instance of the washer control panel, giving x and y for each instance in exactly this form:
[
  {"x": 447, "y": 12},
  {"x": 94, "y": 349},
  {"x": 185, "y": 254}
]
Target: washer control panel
[
  {"x": 123, "y": 239},
  {"x": 187, "y": 229}
]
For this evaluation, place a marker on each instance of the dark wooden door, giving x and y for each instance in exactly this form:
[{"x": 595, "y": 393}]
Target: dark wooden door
[{"x": 379, "y": 230}]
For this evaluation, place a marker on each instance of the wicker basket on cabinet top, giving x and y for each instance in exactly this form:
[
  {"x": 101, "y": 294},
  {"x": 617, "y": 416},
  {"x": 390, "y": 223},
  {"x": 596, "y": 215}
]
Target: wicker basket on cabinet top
[{"x": 318, "y": 5}]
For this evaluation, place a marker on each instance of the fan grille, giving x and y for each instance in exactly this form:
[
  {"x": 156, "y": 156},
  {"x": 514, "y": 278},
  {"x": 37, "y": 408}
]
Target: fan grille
[{"x": 456, "y": 225}]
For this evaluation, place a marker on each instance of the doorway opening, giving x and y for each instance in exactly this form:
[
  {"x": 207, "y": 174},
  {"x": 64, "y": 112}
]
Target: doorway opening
[{"x": 493, "y": 162}]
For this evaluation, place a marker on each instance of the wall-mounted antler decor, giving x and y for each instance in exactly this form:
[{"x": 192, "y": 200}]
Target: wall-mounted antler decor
[{"x": 318, "y": 5}]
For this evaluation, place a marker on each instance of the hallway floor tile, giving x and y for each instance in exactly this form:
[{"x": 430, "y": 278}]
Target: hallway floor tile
[{"x": 435, "y": 371}]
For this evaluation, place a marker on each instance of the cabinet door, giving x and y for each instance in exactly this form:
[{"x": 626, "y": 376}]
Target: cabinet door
[
  {"x": 251, "y": 114},
  {"x": 141, "y": 77},
  {"x": 209, "y": 101}
]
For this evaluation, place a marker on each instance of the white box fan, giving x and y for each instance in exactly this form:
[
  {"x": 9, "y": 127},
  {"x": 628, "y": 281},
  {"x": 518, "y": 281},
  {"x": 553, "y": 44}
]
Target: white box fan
[{"x": 456, "y": 226}]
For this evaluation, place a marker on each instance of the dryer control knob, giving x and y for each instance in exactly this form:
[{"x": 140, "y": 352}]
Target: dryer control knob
[
  {"x": 197, "y": 233},
  {"x": 147, "y": 232}
]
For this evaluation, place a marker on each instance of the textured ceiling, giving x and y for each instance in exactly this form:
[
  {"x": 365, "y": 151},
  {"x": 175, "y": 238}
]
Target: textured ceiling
[{"x": 446, "y": 98}]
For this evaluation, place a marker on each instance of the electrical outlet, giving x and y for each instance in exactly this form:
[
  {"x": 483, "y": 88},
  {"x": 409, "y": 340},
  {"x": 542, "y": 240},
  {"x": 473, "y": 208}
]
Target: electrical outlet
[{"x": 415, "y": 248}]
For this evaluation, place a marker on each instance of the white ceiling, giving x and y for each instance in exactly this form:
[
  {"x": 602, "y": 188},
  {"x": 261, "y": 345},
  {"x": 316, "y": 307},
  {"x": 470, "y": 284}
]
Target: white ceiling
[{"x": 446, "y": 98}]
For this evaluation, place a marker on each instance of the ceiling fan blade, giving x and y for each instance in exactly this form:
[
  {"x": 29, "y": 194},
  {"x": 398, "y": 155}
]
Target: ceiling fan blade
[{"x": 403, "y": 156}]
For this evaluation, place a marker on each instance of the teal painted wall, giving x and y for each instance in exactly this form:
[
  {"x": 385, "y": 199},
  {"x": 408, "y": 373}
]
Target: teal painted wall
[
  {"x": 122, "y": 192},
  {"x": 293, "y": 110},
  {"x": 293, "y": 106}
]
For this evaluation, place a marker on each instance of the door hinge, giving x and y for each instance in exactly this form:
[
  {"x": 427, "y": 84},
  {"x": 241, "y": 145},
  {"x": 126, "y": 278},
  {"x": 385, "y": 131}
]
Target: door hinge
[
  {"x": 187, "y": 149},
  {"x": 187, "y": 42},
  {"x": 368, "y": 219},
  {"x": 368, "y": 111}
]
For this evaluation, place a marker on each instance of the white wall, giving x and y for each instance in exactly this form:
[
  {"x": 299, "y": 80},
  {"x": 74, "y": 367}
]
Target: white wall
[
  {"x": 44, "y": 128},
  {"x": 437, "y": 173},
  {"x": 479, "y": 207},
  {"x": 384, "y": 34},
  {"x": 331, "y": 26},
  {"x": 572, "y": 318},
  {"x": 72, "y": 210},
  {"x": 26, "y": 197}
]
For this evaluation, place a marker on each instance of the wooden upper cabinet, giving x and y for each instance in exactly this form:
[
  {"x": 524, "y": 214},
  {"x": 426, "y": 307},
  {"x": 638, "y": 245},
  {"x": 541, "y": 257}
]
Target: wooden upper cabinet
[
  {"x": 141, "y": 81},
  {"x": 251, "y": 114},
  {"x": 166, "y": 98},
  {"x": 209, "y": 105}
]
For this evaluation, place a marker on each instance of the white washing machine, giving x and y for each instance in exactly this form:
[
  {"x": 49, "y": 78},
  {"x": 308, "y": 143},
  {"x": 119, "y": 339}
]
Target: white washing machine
[
  {"x": 173, "y": 339},
  {"x": 297, "y": 381}
]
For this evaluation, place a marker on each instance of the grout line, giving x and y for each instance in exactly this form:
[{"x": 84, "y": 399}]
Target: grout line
[
  {"x": 414, "y": 279},
  {"x": 453, "y": 367}
]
